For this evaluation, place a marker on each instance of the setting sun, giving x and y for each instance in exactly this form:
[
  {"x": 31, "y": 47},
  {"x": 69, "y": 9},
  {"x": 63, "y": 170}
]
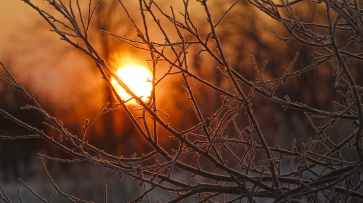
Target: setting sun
[{"x": 135, "y": 77}]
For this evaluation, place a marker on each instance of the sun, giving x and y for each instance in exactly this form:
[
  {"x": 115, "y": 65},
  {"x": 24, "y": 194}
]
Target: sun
[{"x": 136, "y": 78}]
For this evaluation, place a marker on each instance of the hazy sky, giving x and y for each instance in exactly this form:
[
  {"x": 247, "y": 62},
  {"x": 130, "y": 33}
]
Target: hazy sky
[
  {"x": 14, "y": 15},
  {"x": 30, "y": 55}
]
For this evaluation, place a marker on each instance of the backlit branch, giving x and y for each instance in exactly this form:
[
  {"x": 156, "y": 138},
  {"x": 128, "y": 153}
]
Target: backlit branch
[{"x": 225, "y": 148}]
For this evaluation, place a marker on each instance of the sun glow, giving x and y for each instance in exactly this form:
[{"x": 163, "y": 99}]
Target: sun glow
[{"x": 135, "y": 77}]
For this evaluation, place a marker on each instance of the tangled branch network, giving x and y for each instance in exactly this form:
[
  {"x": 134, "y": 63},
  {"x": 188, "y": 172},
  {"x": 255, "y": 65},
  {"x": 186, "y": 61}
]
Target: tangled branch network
[{"x": 225, "y": 154}]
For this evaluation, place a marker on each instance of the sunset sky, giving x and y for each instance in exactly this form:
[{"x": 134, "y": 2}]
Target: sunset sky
[{"x": 14, "y": 16}]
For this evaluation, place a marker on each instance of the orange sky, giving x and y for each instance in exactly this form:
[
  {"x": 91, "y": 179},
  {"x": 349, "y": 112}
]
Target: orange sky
[
  {"x": 30, "y": 58},
  {"x": 41, "y": 64},
  {"x": 14, "y": 14}
]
